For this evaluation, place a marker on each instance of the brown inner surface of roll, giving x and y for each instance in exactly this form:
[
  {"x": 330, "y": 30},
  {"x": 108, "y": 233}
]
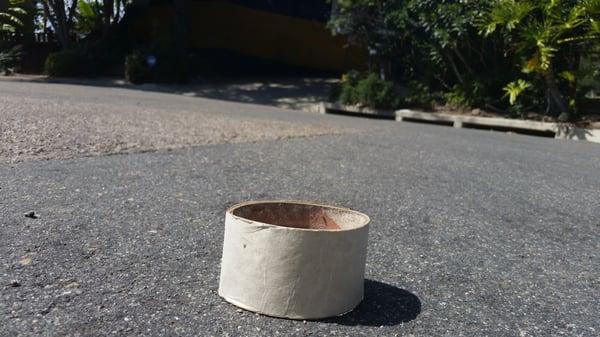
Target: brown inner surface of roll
[{"x": 288, "y": 215}]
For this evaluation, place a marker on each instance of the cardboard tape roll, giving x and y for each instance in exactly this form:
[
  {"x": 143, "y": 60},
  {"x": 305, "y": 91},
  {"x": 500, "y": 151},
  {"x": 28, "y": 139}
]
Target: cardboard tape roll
[{"x": 294, "y": 259}]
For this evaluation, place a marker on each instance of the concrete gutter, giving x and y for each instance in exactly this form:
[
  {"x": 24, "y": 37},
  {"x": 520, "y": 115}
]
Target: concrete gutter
[
  {"x": 577, "y": 133},
  {"x": 555, "y": 130},
  {"x": 336, "y": 108},
  {"x": 459, "y": 121},
  {"x": 559, "y": 130}
]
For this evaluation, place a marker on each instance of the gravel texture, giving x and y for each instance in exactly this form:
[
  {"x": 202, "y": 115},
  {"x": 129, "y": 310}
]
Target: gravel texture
[
  {"x": 56, "y": 121},
  {"x": 473, "y": 233}
]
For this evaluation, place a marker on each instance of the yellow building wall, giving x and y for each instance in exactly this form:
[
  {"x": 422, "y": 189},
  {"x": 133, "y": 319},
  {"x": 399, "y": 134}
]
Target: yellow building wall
[{"x": 270, "y": 36}]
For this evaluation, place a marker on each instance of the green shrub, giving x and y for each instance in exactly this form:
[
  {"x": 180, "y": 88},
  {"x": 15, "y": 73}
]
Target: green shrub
[
  {"x": 419, "y": 96},
  {"x": 369, "y": 91},
  {"x": 136, "y": 70},
  {"x": 168, "y": 68},
  {"x": 348, "y": 94},
  {"x": 71, "y": 63},
  {"x": 376, "y": 93},
  {"x": 9, "y": 59},
  {"x": 457, "y": 99},
  {"x": 347, "y": 89}
]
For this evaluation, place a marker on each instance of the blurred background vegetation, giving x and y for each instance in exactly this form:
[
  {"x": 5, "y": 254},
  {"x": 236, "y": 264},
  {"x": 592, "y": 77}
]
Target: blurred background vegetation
[{"x": 509, "y": 57}]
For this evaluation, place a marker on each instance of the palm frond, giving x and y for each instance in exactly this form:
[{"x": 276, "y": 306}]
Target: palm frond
[
  {"x": 514, "y": 89},
  {"x": 507, "y": 14},
  {"x": 588, "y": 37},
  {"x": 17, "y": 11},
  {"x": 11, "y": 19},
  {"x": 592, "y": 7}
]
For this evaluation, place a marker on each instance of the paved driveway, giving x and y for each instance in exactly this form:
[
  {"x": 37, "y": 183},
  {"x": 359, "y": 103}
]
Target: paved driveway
[
  {"x": 59, "y": 121},
  {"x": 473, "y": 233}
]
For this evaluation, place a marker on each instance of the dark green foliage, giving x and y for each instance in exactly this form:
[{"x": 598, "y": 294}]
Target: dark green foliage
[
  {"x": 168, "y": 68},
  {"x": 347, "y": 89},
  {"x": 472, "y": 53},
  {"x": 9, "y": 59},
  {"x": 136, "y": 69},
  {"x": 71, "y": 63},
  {"x": 368, "y": 91},
  {"x": 12, "y": 18},
  {"x": 589, "y": 74},
  {"x": 348, "y": 94},
  {"x": 460, "y": 97},
  {"x": 419, "y": 96},
  {"x": 172, "y": 64},
  {"x": 376, "y": 93},
  {"x": 550, "y": 38},
  {"x": 433, "y": 45},
  {"x": 88, "y": 59}
]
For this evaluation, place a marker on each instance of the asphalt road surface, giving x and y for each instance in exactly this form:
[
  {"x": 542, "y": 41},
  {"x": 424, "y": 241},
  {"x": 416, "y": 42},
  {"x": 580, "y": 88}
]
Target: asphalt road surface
[
  {"x": 474, "y": 233},
  {"x": 61, "y": 121}
]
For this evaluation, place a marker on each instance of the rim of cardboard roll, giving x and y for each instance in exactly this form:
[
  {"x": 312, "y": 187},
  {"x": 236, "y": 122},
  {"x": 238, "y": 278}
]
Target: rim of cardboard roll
[{"x": 299, "y": 215}]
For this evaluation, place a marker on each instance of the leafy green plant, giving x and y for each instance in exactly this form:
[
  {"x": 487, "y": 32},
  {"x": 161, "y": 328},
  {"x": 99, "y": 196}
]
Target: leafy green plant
[
  {"x": 588, "y": 76},
  {"x": 368, "y": 90},
  {"x": 432, "y": 42},
  {"x": 136, "y": 70},
  {"x": 376, "y": 93},
  {"x": 348, "y": 94},
  {"x": 347, "y": 89},
  {"x": 419, "y": 96},
  {"x": 167, "y": 67},
  {"x": 372, "y": 24},
  {"x": 71, "y": 63},
  {"x": 12, "y": 19},
  {"x": 457, "y": 98},
  {"x": 11, "y": 22},
  {"x": 550, "y": 38},
  {"x": 9, "y": 59},
  {"x": 514, "y": 89},
  {"x": 89, "y": 17}
]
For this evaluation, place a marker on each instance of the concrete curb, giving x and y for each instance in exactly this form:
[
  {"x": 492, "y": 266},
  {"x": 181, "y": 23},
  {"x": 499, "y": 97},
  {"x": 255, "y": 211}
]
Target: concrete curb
[
  {"x": 336, "y": 108},
  {"x": 458, "y": 121},
  {"x": 555, "y": 130},
  {"x": 558, "y": 130}
]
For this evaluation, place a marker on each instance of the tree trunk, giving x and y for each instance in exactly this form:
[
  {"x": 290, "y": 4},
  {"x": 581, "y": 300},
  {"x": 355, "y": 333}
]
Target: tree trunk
[
  {"x": 117, "y": 15},
  {"x": 108, "y": 11},
  {"x": 60, "y": 19},
  {"x": 556, "y": 102},
  {"x": 56, "y": 20},
  {"x": 574, "y": 64},
  {"x": 454, "y": 67},
  {"x": 385, "y": 69},
  {"x": 463, "y": 60}
]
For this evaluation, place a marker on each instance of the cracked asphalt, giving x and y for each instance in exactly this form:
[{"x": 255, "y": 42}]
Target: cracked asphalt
[{"x": 474, "y": 233}]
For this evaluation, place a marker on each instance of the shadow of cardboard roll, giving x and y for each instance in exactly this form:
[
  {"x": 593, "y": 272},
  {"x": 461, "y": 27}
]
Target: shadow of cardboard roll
[
  {"x": 294, "y": 259},
  {"x": 384, "y": 305}
]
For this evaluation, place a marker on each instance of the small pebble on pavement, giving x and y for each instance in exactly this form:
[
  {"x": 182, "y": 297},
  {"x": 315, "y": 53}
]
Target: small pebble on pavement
[{"x": 32, "y": 215}]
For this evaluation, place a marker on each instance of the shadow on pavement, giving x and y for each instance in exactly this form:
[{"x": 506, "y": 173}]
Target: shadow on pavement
[
  {"x": 384, "y": 304},
  {"x": 289, "y": 93}
]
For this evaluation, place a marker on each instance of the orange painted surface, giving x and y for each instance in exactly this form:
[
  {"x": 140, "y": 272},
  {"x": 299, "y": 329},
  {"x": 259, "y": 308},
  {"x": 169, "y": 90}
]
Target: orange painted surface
[{"x": 289, "y": 40}]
